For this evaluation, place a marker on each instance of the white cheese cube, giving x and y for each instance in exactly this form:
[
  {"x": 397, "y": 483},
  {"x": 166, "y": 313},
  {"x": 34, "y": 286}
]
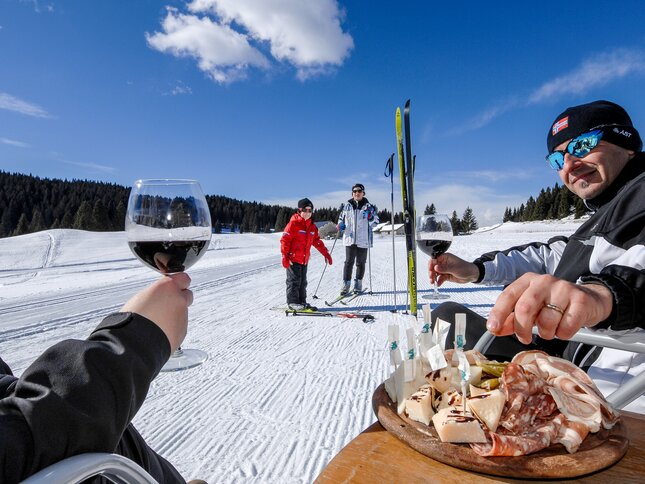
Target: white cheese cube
[
  {"x": 456, "y": 427},
  {"x": 419, "y": 405},
  {"x": 488, "y": 408}
]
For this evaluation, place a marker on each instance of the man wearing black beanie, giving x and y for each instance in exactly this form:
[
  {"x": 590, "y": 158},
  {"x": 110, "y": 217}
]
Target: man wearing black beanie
[{"x": 593, "y": 279}]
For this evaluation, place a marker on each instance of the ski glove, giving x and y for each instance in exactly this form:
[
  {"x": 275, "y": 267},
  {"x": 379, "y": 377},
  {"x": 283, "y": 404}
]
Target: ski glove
[
  {"x": 341, "y": 226},
  {"x": 328, "y": 258},
  {"x": 370, "y": 215},
  {"x": 285, "y": 262}
]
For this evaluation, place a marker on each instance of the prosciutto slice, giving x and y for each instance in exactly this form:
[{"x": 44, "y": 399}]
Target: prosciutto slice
[{"x": 548, "y": 401}]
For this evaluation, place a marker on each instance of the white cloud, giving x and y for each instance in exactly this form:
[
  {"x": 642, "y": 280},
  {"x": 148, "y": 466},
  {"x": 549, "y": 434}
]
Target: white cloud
[
  {"x": 90, "y": 166},
  {"x": 598, "y": 71},
  {"x": 13, "y": 142},
  {"x": 233, "y": 34},
  {"x": 12, "y": 103},
  {"x": 224, "y": 54}
]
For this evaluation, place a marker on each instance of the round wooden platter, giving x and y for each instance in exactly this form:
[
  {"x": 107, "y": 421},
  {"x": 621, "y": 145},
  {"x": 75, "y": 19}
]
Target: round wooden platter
[{"x": 598, "y": 451}]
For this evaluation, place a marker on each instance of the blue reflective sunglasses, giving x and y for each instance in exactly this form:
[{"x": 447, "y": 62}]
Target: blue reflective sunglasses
[{"x": 578, "y": 147}]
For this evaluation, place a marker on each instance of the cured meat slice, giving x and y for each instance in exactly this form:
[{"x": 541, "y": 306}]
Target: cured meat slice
[{"x": 515, "y": 445}]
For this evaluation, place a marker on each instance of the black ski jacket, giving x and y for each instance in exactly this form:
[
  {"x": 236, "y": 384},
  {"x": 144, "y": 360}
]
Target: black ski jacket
[{"x": 80, "y": 396}]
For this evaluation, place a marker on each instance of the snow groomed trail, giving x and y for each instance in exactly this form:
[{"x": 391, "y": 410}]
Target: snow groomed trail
[{"x": 279, "y": 396}]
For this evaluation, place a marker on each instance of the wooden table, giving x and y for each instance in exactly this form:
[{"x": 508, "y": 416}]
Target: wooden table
[{"x": 377, "y": 456}]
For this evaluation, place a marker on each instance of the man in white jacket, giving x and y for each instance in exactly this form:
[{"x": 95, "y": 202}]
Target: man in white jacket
[{"x": 357, "y": 219}]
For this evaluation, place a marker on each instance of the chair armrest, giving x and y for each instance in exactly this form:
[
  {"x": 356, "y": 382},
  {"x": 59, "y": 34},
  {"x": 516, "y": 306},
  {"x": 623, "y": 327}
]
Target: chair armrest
[{"x": 77, "y": 468}]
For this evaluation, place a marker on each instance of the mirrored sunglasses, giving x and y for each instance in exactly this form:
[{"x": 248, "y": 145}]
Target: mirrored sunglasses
[{"x": 578, "y": 147}]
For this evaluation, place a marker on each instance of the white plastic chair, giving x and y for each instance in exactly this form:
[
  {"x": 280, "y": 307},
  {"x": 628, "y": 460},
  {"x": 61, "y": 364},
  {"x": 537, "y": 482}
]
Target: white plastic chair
[
  {"x": 77, "y": 468},
  {"x": 627, "y": 392}
]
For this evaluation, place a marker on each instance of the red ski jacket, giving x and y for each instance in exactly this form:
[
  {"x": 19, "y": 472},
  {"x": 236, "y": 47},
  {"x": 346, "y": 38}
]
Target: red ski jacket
[{"x": 298, "y": 237}]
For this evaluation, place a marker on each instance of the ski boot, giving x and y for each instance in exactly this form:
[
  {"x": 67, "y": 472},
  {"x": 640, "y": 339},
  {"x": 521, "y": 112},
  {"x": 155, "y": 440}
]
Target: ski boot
[
  {"x": 345, "y": 289},
  {"x": 358, "y": 286}
]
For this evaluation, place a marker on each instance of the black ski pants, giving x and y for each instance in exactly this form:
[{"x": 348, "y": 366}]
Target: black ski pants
[
  {"x": 353, "y": 253},
  {"x": 297, "y": 283},
  {"x": 504, "y": 347}
]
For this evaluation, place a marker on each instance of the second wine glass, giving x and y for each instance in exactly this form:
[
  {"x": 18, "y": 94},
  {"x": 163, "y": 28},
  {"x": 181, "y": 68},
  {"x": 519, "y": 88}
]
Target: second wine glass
[
  {"x": 434, "y": 236},
  {"x": 168, "y": 226}
]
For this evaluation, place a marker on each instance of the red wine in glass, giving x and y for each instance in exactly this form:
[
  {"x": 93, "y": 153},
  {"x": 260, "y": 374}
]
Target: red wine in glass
[
  {"x": 434, "y": 236},
  {"x": 168, "y": 226}
]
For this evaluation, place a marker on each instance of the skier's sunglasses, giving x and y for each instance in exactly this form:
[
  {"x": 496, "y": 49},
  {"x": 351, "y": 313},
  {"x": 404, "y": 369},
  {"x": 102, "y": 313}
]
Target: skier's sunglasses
[
  {"x": 357, "y": 191},
  {"x": 578, "y": 147},
  {"x": 306, "y": 210}
]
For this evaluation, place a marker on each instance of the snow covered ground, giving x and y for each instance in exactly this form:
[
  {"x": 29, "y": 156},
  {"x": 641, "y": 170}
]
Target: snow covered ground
[{"x": 279, "y": 396}]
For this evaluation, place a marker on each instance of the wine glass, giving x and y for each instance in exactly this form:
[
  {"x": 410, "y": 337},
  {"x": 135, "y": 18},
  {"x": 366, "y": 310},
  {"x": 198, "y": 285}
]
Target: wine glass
[
  {"x": 434, "y": 236},
  {"x": 168, "y": 226}
]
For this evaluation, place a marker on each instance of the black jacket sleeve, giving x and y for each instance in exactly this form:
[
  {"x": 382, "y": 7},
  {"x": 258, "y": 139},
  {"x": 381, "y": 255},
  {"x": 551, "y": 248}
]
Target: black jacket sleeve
[{"x": 78, "y": 396}]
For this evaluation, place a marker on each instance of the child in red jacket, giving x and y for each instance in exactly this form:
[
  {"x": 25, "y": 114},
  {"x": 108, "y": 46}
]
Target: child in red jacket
[{"x": 298, "y": 237}]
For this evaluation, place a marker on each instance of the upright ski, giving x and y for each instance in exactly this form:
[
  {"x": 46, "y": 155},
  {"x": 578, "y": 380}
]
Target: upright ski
[
  {"x": 410, "y": 167},
  {"x": 408, "y": 209}
]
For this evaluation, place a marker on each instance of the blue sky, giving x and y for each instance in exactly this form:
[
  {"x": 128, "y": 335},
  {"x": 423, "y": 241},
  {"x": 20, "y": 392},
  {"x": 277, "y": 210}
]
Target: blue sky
[{"x": 275, "y": 100}]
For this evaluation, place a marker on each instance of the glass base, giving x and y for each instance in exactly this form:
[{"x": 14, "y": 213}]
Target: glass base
[
  {"x": 436, "y": 295},
  {"x": 185, "y": 359}
]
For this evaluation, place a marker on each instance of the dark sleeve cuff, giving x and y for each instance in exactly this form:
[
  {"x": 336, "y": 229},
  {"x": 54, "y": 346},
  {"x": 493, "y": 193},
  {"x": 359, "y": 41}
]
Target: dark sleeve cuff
[
  {"x": 482, "y": 271},
  {"x": 138, "y": 334}
]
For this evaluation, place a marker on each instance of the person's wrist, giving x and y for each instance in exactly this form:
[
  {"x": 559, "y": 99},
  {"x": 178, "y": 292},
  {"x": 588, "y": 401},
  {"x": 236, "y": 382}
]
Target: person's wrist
[{"x": 602, "y": 294}]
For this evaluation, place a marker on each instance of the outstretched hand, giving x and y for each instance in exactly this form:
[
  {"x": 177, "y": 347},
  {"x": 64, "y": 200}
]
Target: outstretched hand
[
  {"x": 558, "y": 308},
  {"x": 165, "y": 303},
  {"x": 449, "y": 267}
]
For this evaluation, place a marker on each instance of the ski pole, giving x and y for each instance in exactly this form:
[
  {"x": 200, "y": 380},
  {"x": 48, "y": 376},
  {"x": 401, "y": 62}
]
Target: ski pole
[
  {"x": 369, "y": 258},
  {"x": 325, "y": 268},
  {"x": 389, "y": 171}
]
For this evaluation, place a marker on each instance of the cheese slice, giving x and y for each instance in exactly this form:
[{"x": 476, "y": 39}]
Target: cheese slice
[
  {"x": 458, "y": 427},
  {"x": 440, "y": 379},
  {"x": 419, "y": 405},
  {"x": 488, "y": 408},
  {"x": 404, "y": 389}
]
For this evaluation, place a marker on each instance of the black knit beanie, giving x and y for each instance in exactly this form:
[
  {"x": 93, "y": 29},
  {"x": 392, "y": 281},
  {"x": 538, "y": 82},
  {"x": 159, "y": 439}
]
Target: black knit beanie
[
  {"x": 305, "y": 202},
  {"x": 615, "y": 122}
]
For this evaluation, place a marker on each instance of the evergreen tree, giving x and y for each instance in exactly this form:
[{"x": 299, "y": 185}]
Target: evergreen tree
[
  {"x": 23, "y": 226},
  {"x": 468, "y": 221},
  {"x": 455, "y": 222},
  {"x": 564, "y": 206},
  {"x": 100, "y": 222},
  {"x": 119, "y": 216},
  {"x": 83, "y": 218},
  {"x": 37, "y": 222},
  {"x": 580, "y": 208},
  {"x": 217, "y": 227},
  {"x": 430, "y": 210},
  {"x": 68, "y": 220}
]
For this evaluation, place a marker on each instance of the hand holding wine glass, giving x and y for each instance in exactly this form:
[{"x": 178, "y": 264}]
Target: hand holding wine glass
[
  {"x": 434, "y": 236},
  {"x": 168, "y": 227}
]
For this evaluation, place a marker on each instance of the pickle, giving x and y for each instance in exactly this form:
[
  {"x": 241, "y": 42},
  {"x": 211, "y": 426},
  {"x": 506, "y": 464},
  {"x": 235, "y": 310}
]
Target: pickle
[
  {"x": 493, "y": 368},
  {"x": 489, "y": 384}
]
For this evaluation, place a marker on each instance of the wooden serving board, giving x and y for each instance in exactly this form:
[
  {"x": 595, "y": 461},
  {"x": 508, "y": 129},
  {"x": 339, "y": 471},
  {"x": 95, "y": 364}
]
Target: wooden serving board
[{"x": 598, "y": 451}]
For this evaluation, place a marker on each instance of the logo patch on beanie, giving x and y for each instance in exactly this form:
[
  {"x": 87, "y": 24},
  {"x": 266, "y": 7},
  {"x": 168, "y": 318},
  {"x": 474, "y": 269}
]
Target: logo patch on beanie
[{"x": 560, "y": 125}]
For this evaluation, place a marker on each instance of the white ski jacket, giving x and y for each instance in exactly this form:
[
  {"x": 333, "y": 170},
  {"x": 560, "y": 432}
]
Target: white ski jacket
[{"x": 359, "y": 219}]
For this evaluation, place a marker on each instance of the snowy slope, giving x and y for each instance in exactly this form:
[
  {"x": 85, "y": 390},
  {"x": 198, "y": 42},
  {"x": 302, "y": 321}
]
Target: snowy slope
[{"x": 279, "y": 396}]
